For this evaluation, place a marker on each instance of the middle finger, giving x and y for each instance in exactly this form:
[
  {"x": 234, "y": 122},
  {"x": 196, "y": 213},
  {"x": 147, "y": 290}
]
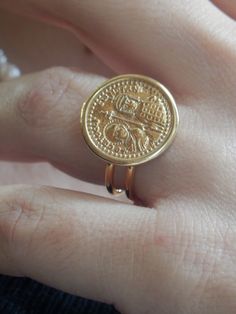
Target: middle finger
[{"x": 174, "y": 41}]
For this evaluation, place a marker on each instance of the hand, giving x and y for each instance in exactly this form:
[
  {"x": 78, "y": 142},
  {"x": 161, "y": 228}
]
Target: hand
[{"x": 179, "y": 256}]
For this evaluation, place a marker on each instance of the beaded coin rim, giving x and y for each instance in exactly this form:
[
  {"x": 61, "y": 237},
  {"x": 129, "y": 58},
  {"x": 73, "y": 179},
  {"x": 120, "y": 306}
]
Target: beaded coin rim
[{"x": 139, "y": 160}]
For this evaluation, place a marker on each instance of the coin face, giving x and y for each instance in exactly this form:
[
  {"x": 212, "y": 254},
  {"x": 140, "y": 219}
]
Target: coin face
[{"x": 129, "y": 120}]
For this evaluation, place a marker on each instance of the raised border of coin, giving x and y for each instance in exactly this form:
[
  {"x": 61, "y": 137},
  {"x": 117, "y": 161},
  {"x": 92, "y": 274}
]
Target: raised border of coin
[{"x": 130, "y": 161}]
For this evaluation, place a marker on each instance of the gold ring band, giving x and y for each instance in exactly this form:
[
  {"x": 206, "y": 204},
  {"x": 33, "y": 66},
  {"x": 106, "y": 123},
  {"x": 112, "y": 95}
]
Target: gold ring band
[
  {"x": 129, "y": 120},
  {"x": 109, "y": 181}
]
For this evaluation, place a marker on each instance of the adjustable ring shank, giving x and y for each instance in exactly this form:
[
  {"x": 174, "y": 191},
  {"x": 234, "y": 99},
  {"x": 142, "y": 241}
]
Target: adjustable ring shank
[{"x": 109, "y": 181}]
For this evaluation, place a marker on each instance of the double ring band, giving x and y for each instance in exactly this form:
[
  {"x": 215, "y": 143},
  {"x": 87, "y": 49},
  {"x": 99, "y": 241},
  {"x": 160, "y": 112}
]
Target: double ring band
[{"x": 129, "y": 120}]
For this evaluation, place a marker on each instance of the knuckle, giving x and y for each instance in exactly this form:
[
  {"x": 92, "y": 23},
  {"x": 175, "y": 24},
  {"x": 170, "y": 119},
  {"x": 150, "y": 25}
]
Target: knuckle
[
  {"x": 18, "y": 211},
  {"x": 45, "y": 97}
]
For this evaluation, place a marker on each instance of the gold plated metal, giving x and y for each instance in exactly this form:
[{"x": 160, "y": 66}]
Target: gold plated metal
[
  {"x": 129, "y": 120},
  {"x": 129, "y": 183},
  {"x": 109, "y": 181}
]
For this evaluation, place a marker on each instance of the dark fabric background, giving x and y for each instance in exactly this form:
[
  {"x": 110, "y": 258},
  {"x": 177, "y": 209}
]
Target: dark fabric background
[{"x": 25, "y": 296}]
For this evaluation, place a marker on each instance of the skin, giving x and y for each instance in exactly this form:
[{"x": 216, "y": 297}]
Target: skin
[{"x": 176, "y": 252}]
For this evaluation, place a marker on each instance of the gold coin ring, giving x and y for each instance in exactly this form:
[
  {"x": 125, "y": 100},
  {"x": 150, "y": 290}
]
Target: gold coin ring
[{"x": 129, "y": 120}]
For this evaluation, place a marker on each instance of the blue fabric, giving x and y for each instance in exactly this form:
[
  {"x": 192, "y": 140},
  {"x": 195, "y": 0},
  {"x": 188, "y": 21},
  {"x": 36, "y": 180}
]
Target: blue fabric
[{"x": 25, "y": 296}]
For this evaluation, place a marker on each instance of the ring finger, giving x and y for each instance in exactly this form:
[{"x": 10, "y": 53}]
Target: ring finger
[{"x": 39, "y": 119}]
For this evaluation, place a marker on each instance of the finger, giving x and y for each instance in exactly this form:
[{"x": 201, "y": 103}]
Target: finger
[
  {"x": 228, "y": 6},
  {"x": 173, "y": 41},
  {"x": 132, "y": 257},
  {"x": 75, "y": 242},
  {"x": 40, "y": 120}
]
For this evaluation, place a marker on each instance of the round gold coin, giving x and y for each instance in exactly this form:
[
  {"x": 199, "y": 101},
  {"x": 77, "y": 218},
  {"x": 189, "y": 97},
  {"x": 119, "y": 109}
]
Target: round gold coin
[{"x": 129, "y": 120}]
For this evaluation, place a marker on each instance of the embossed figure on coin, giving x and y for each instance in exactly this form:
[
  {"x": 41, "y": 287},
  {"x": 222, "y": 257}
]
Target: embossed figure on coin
[
  {"x": 129, "y": 119},
  {"x": 148, "y": 111},
  {"x": 134, "y": 139}
]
